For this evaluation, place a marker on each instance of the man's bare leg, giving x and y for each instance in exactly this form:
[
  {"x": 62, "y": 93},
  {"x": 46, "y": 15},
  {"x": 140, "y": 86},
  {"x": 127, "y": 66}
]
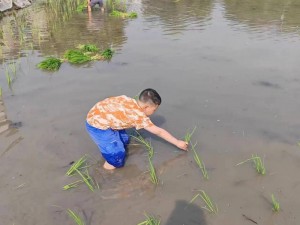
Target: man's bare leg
[{"x": 108, "y": 166}]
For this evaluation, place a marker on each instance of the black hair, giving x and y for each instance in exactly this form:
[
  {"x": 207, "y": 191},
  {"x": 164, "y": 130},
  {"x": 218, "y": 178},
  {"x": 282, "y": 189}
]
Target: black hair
[{"x": 150, "y": 96}]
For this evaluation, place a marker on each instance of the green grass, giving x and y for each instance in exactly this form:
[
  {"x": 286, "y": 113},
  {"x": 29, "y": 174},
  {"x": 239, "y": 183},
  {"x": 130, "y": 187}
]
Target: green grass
[
  {"x": 188, "y": 135},
  {"x": 82, "y": 6},
  {"x": 107, "y": 54},
  {"x": 146, "y": 143},
  {"x": 258, "y": 164},
  {"x": 275, "y": 204},
  {"x": 76, "y": 57},
  {"x": 77, "y": 165},
  {"x": 153, "y": 175},
  {"x": 50, "y": 64},
  {"x": 75, "y": 217},
  {"x": 199, "y": 162},
  {"x": 209, "y": 204},
  {"x": 88, "y": 48},
  {"x": 150, "y": 220}
]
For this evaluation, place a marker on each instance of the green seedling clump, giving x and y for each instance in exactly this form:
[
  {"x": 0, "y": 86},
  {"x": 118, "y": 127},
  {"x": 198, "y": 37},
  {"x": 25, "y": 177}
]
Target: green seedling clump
[
  {"x": 132, "y": 15},
  {"x": 150, "y": 220},
  {"x": 50, "y": 64},
  {"x": 258, "y": 164},
  {"x": 117, "y": 13},
  {"x": 88, "y": 48},
  {"x": 209, "y": 204},
  {"x": 275, "y": 204},
  {"x": 76, "y": 57},
  {"x": 107, "y": 54}
]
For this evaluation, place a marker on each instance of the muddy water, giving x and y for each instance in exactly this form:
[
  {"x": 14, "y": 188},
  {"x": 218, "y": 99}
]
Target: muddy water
[{"x": 229, "y": 67}]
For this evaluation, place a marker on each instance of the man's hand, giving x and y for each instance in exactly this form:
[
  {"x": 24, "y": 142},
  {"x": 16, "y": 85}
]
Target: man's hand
[{"x": 182, "y": 145}]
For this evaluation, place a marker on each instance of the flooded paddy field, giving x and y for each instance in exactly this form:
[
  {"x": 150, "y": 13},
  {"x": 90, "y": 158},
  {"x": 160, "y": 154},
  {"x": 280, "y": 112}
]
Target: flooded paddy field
[{"x": 228, "y": 67}]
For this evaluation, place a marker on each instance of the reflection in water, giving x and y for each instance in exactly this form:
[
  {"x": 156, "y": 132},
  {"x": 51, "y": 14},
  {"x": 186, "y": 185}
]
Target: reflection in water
[
  {"x": 278, "y": 15},
  {"x": 56, "y": 27},
  {"x": 177, "y": 16}
]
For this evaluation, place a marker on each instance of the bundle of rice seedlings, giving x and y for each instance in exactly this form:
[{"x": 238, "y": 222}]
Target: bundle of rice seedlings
[
  {"x": 76, "y": 56},
  {"x": 50, "y": 64},
  {"x": 117, "y": 13},
  {"x": 88, "y": 48},
  {"x": 107, "y": 54},
  {"x": 258, "y": 164},
  {"x": 275, "y": 204},
  {"x": 82, "y": 6},
  {"x": 199, "y": 162},
  {"x": 75, "y": 217},
  {"x": 132, "y": 15},
  {"x": 188, "y": 135},
  {"x": 143, "y": 141},
  {"x": 153, "y": 176},
  {"x": 72, "y": 185},
  {"x": 150, "y": 220},
  {"x": 87, "y": 180},
  {"x": 79, "y": 164}
]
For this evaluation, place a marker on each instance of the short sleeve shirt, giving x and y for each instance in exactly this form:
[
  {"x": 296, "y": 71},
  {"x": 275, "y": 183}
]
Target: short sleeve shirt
[{"x": 117, "y": 113}]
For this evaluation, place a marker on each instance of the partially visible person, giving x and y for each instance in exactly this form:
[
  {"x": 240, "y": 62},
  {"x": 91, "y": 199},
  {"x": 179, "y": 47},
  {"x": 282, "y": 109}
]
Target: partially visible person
[
  {"x": 107, "y": 120},
  {"x": 92, "y": 3}
]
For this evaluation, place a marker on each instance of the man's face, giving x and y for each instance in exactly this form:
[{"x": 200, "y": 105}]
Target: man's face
[{"x": 150, "y": 109}]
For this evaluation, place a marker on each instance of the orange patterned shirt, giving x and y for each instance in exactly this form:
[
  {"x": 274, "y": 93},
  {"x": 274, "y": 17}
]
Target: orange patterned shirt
[{"x": 117, "y": 113}]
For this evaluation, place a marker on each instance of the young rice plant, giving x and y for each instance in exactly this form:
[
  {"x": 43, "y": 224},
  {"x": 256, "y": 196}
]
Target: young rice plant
[
  {"x": 150, "y": 220},
  {"x": 258, "y": 164},
  {"x": 199, "y": 162},
  {"x": 75, "y": 217},
  {"x": 50, "y": 64},
  {"x": 275, "y": 204}
]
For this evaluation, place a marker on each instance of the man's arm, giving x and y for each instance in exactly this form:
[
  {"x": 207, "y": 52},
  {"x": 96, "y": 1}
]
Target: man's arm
[{"x": 167, "y": 136}]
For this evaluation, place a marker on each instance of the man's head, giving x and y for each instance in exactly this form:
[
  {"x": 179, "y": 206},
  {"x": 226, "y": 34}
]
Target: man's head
[{"x": 149, "y": 100}]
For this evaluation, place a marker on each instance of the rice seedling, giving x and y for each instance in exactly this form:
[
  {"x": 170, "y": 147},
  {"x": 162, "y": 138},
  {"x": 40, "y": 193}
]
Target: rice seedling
[
  {"x": 209, "y": 205},
  {"x": 150, "y": 220},
  {"x": 86, "y": 180},
  {"x": 0, "y": 92},
  {"x": 120, "y": 14},
  {"x": 107, "y": 54},
  {"x": 199, "y": 162},
  {"x": 275, "y": 204},
  {"x": 153, "y": 176},
  {"x": 132, "y": 15},
  {"x": 258, "y": 164},
  {"x": 82, "y": 6},
  {"x": 143, "y": 141},
  {"x": 88, "y": 48},
  {"x": 79, "y": 164},
  {"x": 72, "y": 185},
  {"x": 76, "y": 56},
  {"x": 188, "y": 135},
  {"x": 9, "y": 79},
  {"x": 75, "y": 217},
  {"x": 51, "y": 64}
]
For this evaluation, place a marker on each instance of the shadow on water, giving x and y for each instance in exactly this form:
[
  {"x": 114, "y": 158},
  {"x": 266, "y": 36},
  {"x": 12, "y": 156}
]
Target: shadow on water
[{"x": 185, "y": 213}]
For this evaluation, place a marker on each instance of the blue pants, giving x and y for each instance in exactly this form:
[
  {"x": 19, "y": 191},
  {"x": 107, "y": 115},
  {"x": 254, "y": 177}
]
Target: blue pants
[{"x": 111, "y": 143}]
